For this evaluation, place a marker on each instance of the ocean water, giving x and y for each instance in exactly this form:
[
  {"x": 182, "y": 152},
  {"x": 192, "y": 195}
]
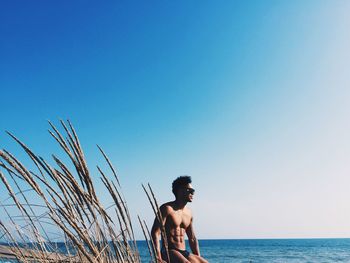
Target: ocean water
[
  {"x": 271, "y": 250},
  {"x": 266, "y": 250}
]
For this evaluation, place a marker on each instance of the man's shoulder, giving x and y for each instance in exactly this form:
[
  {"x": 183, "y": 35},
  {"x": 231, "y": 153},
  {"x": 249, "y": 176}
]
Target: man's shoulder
[{"x": 167, "y": 206}]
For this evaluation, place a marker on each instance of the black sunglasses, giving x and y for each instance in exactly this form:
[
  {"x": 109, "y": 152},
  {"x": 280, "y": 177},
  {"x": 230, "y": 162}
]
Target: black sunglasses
[{"x": 190, "y": 191}]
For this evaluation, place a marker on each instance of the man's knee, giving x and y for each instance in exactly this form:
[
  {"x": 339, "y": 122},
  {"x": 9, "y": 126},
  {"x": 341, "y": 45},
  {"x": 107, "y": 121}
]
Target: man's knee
[
  {"x": 197, "y": 259},
  {"x": 201, "y": 260}
]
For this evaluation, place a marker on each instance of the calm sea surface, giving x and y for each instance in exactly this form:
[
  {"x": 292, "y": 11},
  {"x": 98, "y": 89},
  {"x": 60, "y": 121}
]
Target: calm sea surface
[
  {"x": 268, "y": 250},
  {"x": 271, "y": 250}
]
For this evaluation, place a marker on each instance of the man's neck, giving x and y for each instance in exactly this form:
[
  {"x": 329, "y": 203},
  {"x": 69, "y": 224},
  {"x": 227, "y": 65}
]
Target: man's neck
[{"x": 180, "y": 204}]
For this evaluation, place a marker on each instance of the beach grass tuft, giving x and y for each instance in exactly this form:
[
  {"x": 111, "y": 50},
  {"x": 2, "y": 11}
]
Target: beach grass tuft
[{"x": 59, "y": 202}]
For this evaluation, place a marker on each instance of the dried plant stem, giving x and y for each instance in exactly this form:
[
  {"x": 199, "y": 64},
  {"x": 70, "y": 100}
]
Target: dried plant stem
[
  {"x": 153, "y": 201},
  {"x": 65, "y": 199}
]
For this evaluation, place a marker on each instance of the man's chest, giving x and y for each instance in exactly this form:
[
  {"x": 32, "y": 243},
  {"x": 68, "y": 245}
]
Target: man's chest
[{"x": 180, "y": 218}]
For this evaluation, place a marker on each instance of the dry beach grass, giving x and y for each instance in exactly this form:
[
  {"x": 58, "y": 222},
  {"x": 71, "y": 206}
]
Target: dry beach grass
[{"x": 62, "y": 197}]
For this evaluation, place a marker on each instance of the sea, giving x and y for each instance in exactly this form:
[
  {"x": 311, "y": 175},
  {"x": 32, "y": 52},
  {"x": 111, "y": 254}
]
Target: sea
[
  {"x": 271, "y": 250},
  {"x": 265, "y": 250}
]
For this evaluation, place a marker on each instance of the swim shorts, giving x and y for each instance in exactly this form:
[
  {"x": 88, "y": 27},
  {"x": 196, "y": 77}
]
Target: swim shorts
[{"x": 185, "y": 253}]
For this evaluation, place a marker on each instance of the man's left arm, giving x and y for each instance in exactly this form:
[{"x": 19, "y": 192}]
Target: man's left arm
[{"x": 192, "y": 240}]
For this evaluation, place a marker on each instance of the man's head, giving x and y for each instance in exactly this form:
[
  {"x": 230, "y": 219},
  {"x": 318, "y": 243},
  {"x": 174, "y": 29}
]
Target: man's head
[{"x": 182, "y": 188}]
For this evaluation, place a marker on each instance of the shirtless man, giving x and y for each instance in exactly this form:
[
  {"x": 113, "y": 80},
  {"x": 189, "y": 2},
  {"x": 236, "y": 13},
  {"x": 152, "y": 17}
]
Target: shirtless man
[{"x": 177, "y": 220}]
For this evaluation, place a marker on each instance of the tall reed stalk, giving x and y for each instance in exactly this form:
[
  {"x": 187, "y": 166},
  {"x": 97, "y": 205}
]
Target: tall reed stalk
[
  {"x": 158, "y": 216},
  {"x": 62, "y": 198}
]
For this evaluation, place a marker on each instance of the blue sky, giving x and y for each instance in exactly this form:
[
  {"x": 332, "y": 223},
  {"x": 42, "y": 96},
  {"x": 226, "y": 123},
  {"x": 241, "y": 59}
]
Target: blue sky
[{"x": 250, "y": 98}]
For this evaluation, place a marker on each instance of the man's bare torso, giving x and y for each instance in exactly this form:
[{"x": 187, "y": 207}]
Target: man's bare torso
[{"x": 177, "y": 222}]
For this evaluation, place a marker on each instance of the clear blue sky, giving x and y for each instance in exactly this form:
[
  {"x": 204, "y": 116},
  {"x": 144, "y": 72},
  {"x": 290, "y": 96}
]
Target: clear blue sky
[{"x": 250, "y": 98}]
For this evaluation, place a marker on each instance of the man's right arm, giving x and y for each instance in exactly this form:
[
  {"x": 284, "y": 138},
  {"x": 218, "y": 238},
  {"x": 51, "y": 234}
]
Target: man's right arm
[{"x": 156, "y": 232}]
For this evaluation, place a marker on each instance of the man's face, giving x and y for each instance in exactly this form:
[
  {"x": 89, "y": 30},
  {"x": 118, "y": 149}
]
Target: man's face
[{"x": 187, "y": 192}]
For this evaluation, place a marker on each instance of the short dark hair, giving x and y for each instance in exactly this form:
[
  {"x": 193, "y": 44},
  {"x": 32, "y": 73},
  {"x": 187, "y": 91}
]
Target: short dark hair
[{"x": 181, "y": 181}]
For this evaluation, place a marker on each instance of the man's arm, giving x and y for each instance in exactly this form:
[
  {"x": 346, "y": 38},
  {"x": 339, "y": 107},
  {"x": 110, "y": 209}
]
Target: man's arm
[
  {"x": 156, "y": 232},
  {"x": 192, "y": 240}
]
